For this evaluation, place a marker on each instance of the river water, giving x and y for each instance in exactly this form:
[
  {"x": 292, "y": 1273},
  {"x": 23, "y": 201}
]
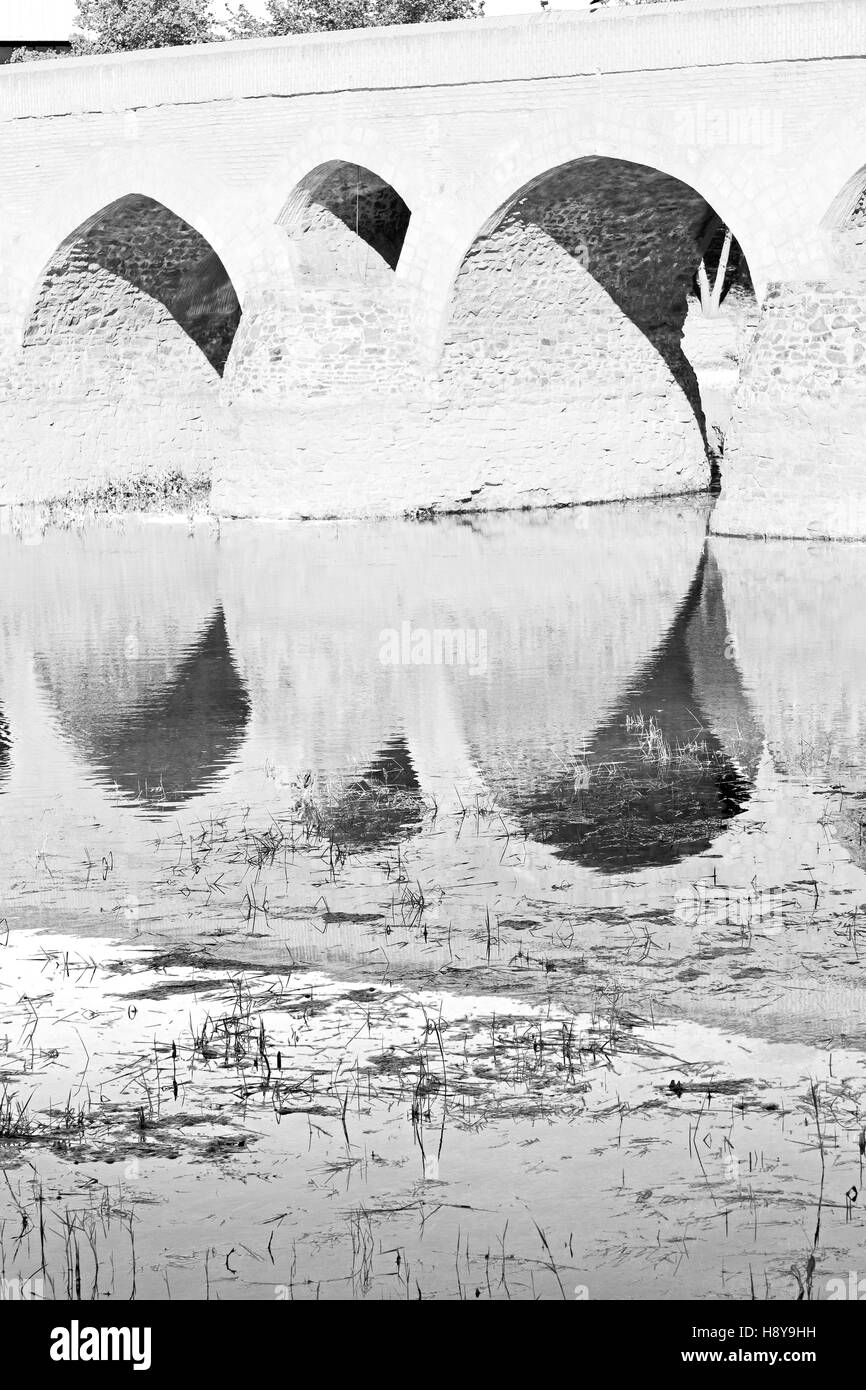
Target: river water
[{"x": 470, "y": 908}]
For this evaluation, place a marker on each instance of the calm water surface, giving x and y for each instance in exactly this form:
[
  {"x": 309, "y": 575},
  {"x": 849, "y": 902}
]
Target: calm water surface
[{"x": 375, "y": 897}]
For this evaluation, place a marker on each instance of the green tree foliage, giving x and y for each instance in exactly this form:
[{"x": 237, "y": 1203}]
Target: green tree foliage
[
  {"x": 36, "y": 55},
  {"x": 114, "y": 26},
  {"x": 310, "y": 16},
  {"x": 117, "y": 26}
]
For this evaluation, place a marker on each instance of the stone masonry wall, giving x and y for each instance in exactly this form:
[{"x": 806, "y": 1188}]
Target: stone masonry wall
[
  {"x": 352, "y": 227},
  {"x": 586, "y": 276},
  {"x": 122, "y": 355},
  {"x": 346, "y": 326},
  {"x": 802, "y": 397},
  {"x": 562, "y": 377},
  {"x": 578, "y": 298},
  {"x": 299, "y": 346},
  {"x": 115, "y": 303}
]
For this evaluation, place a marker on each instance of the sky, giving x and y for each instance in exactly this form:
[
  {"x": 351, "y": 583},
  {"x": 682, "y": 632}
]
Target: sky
[{"x": 53, "y": 19}]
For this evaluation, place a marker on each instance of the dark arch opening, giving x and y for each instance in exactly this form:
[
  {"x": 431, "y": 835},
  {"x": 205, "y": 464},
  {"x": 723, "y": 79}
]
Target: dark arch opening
[
  {"x": 724, "y": 262},
  {"x": 346, "y": 221},
  {"x": 590, "y": 250},
  {"x": 125, "y": 283}
]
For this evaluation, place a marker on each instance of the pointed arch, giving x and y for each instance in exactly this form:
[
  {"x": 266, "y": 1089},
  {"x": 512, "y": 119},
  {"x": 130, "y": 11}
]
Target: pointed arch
[
  {"x": 134, "y": 290},
  {"x": 346, "y": 223},
  {"x": 578, "y": 284},
  {"x": 342, "y": 321}
]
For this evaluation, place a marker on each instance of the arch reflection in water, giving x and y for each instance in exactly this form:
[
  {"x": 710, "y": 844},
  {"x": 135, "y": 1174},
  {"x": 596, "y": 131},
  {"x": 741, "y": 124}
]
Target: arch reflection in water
[
  {"x": 669, "y": 767},
  {"x": 170, "y": 741},
  {"x": 381, "y": 804}
]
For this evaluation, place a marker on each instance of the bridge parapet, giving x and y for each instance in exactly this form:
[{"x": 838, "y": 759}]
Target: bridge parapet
[{"x": 552, "y": 44}]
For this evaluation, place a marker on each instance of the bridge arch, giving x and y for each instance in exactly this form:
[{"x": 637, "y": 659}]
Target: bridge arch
[
  {"x": 345, "y": 222},
  {"x": 265, "y": 260},
  {"x": 574, "y": 290},
  {"x": 120, "y": 318},
  {"x": 132, "y": 294},
  {"x": 190, "y": 191},
  {"x": 351, "y": 144},
  {"x": 340, "y": 322},
  {"x": 446, "y": 226}
]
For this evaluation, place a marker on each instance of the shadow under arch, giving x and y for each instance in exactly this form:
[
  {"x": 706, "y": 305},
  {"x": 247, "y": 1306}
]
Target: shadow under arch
[
  {"x": 671, "y": 766},
  {"x": 589, "y": 245},
  {"x": 172, "y": 740},
  {"x": 136, "y": 265},
  {"x": 345, "y": 221}
]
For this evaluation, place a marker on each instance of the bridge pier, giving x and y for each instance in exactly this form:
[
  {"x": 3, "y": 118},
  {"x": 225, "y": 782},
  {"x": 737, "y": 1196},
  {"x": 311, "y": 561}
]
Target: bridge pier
[
  {"x": 793, "y": 464},
  {"x": 373, "y": 456}
]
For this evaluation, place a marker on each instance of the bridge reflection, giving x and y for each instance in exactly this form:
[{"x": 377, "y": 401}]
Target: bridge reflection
[
  {"x": 163, "y": 741},
  {"x": 668, "y": 768},
  {"x": 799, "y": 629},
  {"x": 610, "y": 727},
  {"x": 381, "y": 804},
  {"x": 667, "y": 727}
]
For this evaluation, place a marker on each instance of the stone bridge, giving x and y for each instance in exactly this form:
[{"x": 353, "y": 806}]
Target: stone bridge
[{"x": 443, "y": 267}]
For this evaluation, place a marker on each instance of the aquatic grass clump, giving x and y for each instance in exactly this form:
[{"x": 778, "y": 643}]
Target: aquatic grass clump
[
  {"x": 15, "y": 1119},
  {"x": 156, "y": 492},
  {"x": 652, "y": 743},
  {"x": 362, "y": 811}
]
